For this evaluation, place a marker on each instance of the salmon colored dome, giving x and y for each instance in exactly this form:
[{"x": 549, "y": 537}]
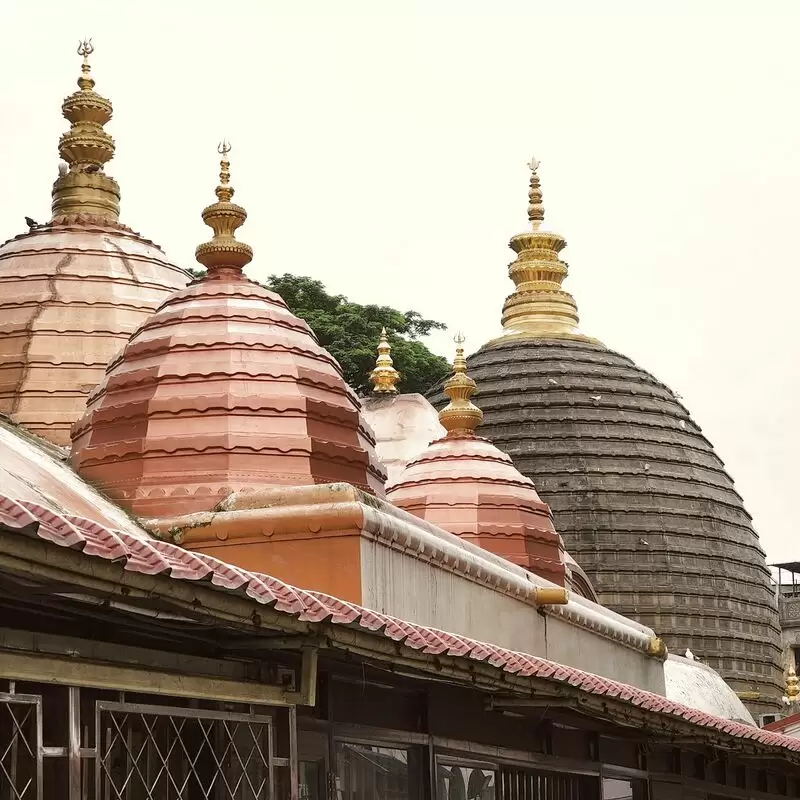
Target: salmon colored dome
[
  {"x": 223, "y": 389},
  {"x": 464, "y": 484},
  {"x": 73, "y": 290},
  {"x": 71, "y": 293}
]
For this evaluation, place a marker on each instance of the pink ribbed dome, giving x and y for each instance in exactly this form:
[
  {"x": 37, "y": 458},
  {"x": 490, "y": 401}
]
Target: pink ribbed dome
[{"x": 222, "y": 390}]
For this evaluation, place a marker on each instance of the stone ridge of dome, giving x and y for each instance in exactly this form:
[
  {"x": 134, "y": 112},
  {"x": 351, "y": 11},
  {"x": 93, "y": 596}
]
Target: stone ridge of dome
[
  {"x": 238, "y": 286},
  {"x": 438, "y": 450},
  {"x": 483, "y": 464},
  {"x": 559, "y": 359},
  {"x": 568, "y": 348},
  {"x": 81, "y": 223}
]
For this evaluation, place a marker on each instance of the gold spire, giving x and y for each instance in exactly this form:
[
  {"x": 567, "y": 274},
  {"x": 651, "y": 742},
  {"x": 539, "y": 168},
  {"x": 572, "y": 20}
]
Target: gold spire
[
  {"x": 460, "y": 416},
  {"x": 384, "y": 377},
  {"x": 792, "y": 684},
  {"x": 83, "y": 187},
  {"x": 223, "y": 252},
  {"x": 539, "y": 307}
]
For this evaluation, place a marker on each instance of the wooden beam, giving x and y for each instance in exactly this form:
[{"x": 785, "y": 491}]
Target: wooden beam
[
  {"x": 266, "y": 642},
  {"x": 520, "y": 703},
  {"x": 78, "y": 672},
  {"x": 307, "y": 696}
]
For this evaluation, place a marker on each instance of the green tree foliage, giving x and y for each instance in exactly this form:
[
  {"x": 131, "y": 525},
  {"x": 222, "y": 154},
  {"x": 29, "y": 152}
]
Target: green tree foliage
[{"x": 351, "y": 331}]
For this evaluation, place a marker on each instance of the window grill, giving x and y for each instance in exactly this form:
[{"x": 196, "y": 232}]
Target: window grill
[
  {"x": 157, "y": 753},
  {"x": 20, "y": 747},
  {"x": 518, "y": 784}
]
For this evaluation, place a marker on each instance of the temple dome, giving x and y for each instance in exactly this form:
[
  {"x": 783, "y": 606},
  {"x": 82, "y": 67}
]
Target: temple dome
[
  {"x": 223, "y": 389},
  {"x": 464, "y": 484},
  {"x": 641, "y": 499},
  {"x": 73, "y": 290},
  {"x": 403, "y": 424}
]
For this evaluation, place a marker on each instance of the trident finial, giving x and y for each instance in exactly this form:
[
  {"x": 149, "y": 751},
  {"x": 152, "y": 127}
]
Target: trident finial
[
  {"x": 85, "y": 48},
  {"x": 533, "y": 165},
  {"x": 224, "y": 147},
  {"x": 85, "y": 81},
  {"x": 459, "y": 363}
]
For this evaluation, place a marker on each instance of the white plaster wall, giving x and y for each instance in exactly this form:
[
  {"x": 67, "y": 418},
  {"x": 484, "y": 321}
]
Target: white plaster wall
[
  {"x": 405, "y": 587},
  {"x": 398, "y": 584},
  {"x": 569, "y": 644}
]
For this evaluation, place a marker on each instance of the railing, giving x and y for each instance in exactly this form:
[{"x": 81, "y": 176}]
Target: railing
[
  {"x": 789, "y": 608},
  {"x": 157, "y": 753},
  {"x": 21, "y": 748},
  {"x": 92, "y": 748}
]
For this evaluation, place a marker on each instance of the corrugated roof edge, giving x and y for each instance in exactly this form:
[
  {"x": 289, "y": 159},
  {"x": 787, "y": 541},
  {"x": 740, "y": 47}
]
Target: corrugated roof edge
[{"x": 156, "y": 557}]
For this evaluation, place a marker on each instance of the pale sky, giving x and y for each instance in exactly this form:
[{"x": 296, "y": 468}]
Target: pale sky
[{"x": 381, "y": 148}]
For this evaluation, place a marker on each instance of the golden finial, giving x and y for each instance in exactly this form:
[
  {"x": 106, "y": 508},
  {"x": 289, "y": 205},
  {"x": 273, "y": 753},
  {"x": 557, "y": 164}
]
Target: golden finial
[
  {"x": 535, "y": 207},
  {"x": 459, "y": 362},
  {"x": 82, "y": 187},
  {"x": 539, "y": 308},
  {"x": 792, "y": 684},
  {"x": 384, "y": 377},
  {"x": 224, "y": 252},
  {"x": 224, "y": 191},
  {"x": 460, "y": 417}
]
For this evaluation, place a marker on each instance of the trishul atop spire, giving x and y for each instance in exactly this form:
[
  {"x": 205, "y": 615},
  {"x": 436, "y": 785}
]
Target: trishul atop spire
[
  {"x": 460, "y": 417},
  {"x": 539, "y": 308},
  {"x": 83, "y": 187},
  {"x": 224, "y": 252},
  {"x": 384, "y": 377}
]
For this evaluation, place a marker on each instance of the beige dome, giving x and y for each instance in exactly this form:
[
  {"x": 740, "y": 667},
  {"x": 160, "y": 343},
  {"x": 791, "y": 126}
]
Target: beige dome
[{"x": 71, "y": 293}]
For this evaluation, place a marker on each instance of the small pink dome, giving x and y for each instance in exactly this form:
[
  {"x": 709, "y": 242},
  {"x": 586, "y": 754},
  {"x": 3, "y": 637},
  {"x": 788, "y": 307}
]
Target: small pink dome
[{"x": 464, "y": 484}]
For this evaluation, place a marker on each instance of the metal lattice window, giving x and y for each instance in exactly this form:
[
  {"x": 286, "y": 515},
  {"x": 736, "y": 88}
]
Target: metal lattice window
[
  {"x": 157, "y": 753},
  {"x": 520, "y": 784},
  {"x": 20, "y": 747}
]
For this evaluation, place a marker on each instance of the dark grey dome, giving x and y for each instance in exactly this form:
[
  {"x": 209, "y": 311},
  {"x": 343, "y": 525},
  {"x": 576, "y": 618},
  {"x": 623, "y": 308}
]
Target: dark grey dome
[{"x": 644, "y": 504}]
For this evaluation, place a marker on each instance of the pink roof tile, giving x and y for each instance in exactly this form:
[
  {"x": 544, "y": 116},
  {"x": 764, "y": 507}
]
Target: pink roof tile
[{"x": 155, "y": 557}]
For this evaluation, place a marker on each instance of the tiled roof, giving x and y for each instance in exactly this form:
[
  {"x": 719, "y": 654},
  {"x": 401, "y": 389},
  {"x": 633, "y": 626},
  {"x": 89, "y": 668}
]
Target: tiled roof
[{"x": 153, "y": 557}]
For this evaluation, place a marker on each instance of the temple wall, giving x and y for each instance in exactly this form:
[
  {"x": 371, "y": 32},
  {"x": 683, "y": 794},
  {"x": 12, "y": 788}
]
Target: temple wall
[{"x": 404, "y": 586}]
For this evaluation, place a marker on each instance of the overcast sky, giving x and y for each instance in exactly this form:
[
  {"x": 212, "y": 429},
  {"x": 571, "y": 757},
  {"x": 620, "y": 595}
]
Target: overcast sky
[{"x": 382, "y": 149}]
